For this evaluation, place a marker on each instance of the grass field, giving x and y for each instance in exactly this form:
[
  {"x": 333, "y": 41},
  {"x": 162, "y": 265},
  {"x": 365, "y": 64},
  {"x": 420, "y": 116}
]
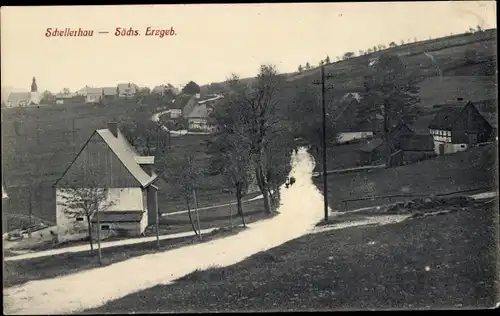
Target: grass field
[
  {"x": 476, "y": 168},
  {"x": 438, "y": 262}
]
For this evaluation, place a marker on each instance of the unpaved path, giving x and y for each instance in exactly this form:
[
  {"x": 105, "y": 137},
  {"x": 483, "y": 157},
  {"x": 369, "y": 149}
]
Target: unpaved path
[{"x": 301, "y": 209}]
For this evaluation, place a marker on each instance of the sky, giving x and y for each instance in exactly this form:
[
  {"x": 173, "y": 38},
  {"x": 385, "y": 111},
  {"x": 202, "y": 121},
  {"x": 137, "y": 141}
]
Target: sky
[{"x": 211, "y": 41}]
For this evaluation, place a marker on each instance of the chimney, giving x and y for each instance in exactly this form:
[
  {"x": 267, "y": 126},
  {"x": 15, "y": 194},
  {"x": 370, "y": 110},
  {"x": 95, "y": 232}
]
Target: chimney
[{"x": 113, "y": 128}]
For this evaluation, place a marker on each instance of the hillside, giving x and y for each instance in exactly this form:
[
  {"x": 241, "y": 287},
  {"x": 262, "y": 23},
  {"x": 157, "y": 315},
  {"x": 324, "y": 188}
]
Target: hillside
[{"x": 48, "y": 137}]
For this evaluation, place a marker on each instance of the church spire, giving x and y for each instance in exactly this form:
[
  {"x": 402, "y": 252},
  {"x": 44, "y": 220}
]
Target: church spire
[{"x": 34, "y": 87}]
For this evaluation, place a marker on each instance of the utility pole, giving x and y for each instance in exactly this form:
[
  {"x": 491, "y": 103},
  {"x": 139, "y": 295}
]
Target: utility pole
[
  {"x": 197, "y": 216},
  {"x": 323, "y": 105},
  {"x": 157, "y": 220}
]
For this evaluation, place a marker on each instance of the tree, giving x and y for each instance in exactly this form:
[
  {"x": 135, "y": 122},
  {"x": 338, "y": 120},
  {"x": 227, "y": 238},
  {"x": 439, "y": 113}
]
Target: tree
[
  {"x": 300, "y": 69},
  {"x": 392, "y": 44},
  {"x": 306, "y": 117},
  {"x": 184, "y": 173},
  {"x": 308, "y": 66},
  {"x": 327, "y": 59},
  {"x": 230, "y": 153},
  {"x": 369, "y": 50},
  {"x": 87, "y": 199},
  {"x": 338, "y": 58},
  {"x": 259, "y": 121},
  {"x": 47, "y": 97},
  {"x": 66, "y": 91},
  {"x": 146, "y": 136},
  {"x": 348, "y": 55},
  {"x": 361, "y": 52},
  {"x": 321, "y": 62},
  {"x": 375, "y": 48},
  {"x": 396, "y": 89},
  {"x": 403, "y": 42},
  {"x": 479, "y": 29},
  {"x": 191, "y": 88}
]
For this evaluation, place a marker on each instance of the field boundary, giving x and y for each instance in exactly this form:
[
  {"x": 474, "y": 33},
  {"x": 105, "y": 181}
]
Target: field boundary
[{"x": 391, "y": 198}]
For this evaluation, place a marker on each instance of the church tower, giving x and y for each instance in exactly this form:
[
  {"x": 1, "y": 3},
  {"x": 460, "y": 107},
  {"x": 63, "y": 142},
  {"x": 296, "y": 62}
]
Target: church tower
[
  {"x": 34, "y": 87},
  {"x": 34, "y": 95}
]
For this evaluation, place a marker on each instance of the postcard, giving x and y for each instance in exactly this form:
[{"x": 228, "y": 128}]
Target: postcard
[{"x": 249, "y": 157}]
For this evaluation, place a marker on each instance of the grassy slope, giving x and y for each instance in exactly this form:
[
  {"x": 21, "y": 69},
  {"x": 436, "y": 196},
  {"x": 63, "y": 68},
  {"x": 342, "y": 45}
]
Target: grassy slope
[
  {"x": 474, "y": 168},
  {"x": 341, "y": 269}
]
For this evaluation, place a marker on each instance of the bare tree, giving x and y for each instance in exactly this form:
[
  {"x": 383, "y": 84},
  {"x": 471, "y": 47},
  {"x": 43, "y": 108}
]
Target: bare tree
[
  {"x": 259, "y": 119},
  {"x": 231, "y": 158},
  {"x": 87, "y": 199},
  {"x": 184, "y": 173},
  {"x": 308, "y": 66},
  {"x": 392, "y": 44}
]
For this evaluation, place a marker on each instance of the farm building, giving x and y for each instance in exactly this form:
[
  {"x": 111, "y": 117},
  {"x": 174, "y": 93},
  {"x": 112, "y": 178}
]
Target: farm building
[
  {"x": 347, "y": 124},
  {"x": 457, "y": 127},
  {"x": 108, "y": 161},
  {"x": 406, "y": 147}
]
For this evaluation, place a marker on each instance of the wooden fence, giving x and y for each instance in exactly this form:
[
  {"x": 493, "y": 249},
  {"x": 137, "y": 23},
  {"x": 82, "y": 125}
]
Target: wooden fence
[{"x": 398, "y": 197}]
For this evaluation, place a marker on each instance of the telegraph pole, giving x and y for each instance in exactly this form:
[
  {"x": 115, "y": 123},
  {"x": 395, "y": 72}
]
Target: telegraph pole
[{"x": 325, "y": 180}]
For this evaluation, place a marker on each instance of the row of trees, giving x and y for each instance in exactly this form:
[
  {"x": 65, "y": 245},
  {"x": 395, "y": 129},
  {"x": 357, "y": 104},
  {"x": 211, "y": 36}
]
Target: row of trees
[{"x": 348, "y": 55}]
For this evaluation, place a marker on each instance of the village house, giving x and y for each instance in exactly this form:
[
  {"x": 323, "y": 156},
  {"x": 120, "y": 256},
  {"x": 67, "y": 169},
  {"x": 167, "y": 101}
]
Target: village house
[
  {"x": 62, "y": 98},
  {"x": 83, "y": 91},
  {"x": 109, "y": 93},
  {"x": 128, "y": 177},
  {"x": 459, "y": 126},
  {"x": 127, "y": 90},
  {"x": 94, "y": 95},
  {"x": 347, "y": 125},
  {"x": 175, "y": 113},
  {"x": 189, "y": 107},
  {"x": 165, "y": 89},
  {"x": 405, "y": 147},
  {"x": 198, "y": 118},
  {"x": 22, "y": 99}
]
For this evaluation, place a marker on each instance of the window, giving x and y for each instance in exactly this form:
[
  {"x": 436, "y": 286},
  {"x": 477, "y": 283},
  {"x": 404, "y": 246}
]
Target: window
[{"x": 104, "y": 227}]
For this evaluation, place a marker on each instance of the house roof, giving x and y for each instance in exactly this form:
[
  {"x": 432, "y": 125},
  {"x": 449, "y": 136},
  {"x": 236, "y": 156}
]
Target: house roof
[
  {"x": 418, "y": 142},
  {"x": 445, "y": 118},
  {"x": 94, "y": 91},
  {"x": 109, "y": 90},
  {"x": 119, "y": 216},
  {"x": 122, "y": 88},
  {"x": 16, "y": 97},
  {"x": 126, "y": 153},
  {"x": 491, "y": 118},
  {"x": 372, "y": 145},
  {"x": 200, "y": 111}
]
